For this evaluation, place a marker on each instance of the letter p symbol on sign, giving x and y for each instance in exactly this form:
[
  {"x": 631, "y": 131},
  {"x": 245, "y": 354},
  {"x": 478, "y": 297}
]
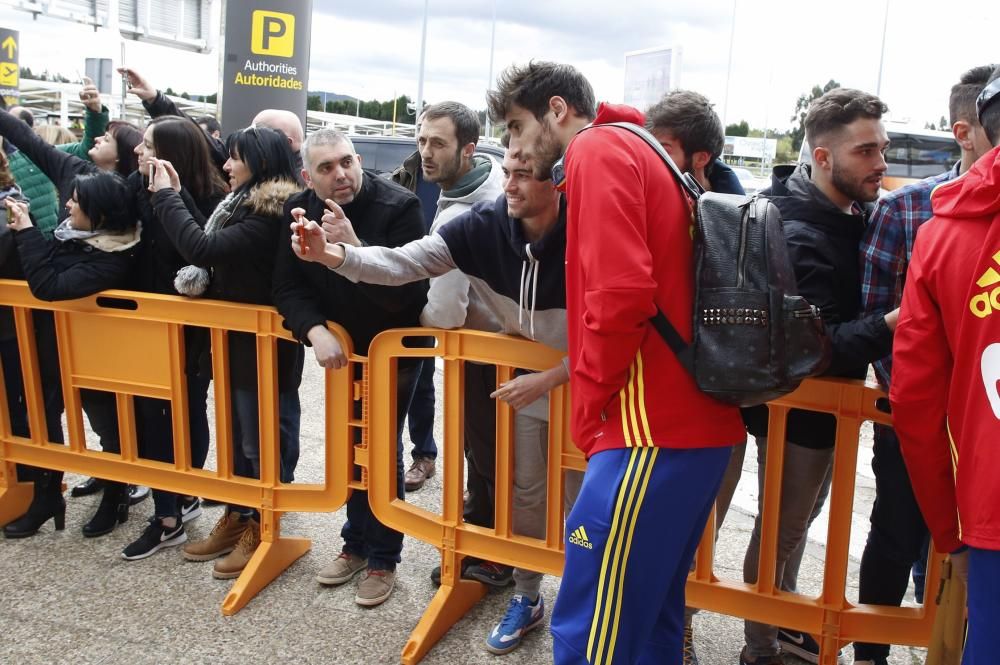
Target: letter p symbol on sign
[{"x": 272, "y": 33}]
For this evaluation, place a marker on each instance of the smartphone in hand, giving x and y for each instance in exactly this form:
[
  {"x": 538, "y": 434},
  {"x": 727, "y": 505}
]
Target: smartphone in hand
[{"x": 301, "y": 233}]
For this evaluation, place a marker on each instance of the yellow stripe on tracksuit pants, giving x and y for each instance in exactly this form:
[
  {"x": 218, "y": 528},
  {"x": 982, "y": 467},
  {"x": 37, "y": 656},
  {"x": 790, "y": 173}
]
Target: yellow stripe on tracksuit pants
[{"x": 644, "y": 509}]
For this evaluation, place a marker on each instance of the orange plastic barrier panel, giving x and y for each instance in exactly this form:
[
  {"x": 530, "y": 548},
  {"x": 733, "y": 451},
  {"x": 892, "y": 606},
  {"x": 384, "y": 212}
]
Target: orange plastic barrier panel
[
  {"x": 132, "y": 344},
  {"x": 830, "y": 616},
  {"x": 448, "y": 531}
]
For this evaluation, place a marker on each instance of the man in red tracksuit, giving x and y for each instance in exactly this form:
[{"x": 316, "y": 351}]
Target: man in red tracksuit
[
  {"x": 657, "y": 446},
  {"x": 946, "y": 364}
]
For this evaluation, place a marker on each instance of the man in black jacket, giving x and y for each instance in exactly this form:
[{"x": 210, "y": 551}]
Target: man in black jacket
[
  {"x": 357, "y": 209},
  {"x": 825, "y": 208}
]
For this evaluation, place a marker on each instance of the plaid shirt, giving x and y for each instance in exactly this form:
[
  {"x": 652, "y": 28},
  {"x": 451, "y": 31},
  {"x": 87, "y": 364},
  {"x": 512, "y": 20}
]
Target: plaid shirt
[{"x": 886, "y": 248}]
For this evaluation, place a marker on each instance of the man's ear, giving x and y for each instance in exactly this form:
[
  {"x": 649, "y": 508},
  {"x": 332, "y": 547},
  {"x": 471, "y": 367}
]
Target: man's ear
[
  {"x": 559, "y": 108},
  {"x": 307, "y": 179},
  {"x": 700, "y": 160},
  {"x": 963, "y": 134},
  {"x": 821, "y": 157},
  {"x": 468, "y": 150}
]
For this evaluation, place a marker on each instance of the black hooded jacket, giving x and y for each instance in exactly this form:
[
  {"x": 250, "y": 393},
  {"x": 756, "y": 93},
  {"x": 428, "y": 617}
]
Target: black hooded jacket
[
  {"x": 309, "y": 294},
  {"x": 823, "y": 246}
]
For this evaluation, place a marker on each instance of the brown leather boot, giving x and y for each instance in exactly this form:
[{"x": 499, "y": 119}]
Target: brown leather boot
[
  {"x": 223, "y": 538},
  {"x": 237, "y": 560}
]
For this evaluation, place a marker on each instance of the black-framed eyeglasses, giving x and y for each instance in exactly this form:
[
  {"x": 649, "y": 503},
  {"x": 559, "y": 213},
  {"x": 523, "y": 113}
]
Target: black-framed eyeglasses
[{"x": 988, "y": 97}]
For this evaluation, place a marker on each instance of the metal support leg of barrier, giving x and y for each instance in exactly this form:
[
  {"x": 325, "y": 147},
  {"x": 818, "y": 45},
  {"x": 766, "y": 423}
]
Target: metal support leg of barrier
[
  {"x": 948, "y": 636},
  {"x": 454, "y": 598},
  {"x": 273, "y": 556},
  {"x": 15, "y": 496}
]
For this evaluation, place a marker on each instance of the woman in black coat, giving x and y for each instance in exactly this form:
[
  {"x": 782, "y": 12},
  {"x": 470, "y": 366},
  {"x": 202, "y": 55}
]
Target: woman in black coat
[
  {"x": 183, "y": 144},
  {"x": 232, "y": 259},
  {"x": 93, "y": 250}
]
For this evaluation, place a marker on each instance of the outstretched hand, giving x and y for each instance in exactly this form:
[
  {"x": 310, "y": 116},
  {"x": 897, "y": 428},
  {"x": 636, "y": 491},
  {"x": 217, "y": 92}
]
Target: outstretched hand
[
  {"x": 137, "y": 85},
  {"x": 90, "y": 95}
]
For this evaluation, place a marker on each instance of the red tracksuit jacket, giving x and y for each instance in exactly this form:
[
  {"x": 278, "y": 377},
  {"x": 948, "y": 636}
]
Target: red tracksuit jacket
[
  {"x": 628, "y": 249},
  {"x": 946, "y": 362}
]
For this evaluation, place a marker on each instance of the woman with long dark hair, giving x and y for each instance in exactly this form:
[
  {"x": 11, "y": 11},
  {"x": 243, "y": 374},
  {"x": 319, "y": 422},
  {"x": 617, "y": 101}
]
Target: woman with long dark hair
[
  {"x": 180, "y": 141},
  {"x": 92, "y": 250},
  {"x": 232, "y": 259}
]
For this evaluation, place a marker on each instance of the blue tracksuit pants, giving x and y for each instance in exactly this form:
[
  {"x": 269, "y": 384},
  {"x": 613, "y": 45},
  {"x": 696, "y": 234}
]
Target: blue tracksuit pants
[
  {"x": 631, "y": 538},
  {"x": 982, "y": 647}
]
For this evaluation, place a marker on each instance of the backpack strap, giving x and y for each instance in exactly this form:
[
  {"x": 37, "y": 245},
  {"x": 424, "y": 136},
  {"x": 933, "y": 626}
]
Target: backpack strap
[{"x": 681, "y": 349}]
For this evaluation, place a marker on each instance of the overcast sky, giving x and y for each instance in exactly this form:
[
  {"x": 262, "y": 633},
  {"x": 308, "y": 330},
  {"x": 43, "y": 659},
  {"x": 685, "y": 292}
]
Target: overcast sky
[{"x": 781, "y": 48}]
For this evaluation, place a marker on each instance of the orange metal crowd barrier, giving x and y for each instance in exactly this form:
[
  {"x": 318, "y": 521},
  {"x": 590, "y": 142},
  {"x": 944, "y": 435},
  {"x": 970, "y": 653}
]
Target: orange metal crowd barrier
[
  {"x": 830, "y": 616},
  {"x": 132, "y": 344}
]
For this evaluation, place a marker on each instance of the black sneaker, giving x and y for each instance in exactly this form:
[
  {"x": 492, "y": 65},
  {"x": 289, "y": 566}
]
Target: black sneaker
[
  {"x": 189, "y": 507},
  {"x": 493, "y": 574},
  {"x": 154, "y": 538},
  {"x": 87, "y": 487},
  {"x": 800, "y": 644},
  {"x": 137, "y": 494},
  {"x": 467, "y": 562}
]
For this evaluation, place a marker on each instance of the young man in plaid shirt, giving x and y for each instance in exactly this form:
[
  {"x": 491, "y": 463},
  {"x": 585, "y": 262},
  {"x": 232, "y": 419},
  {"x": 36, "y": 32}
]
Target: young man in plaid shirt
[{"x": 897, "y": 530}]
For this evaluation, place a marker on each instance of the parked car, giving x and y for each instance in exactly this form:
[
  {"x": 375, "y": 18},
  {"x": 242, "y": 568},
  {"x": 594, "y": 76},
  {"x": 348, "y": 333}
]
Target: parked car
[{"x": 751, "y": 183}]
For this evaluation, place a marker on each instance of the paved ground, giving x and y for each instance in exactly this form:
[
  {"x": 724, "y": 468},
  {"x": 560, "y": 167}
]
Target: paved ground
[{"x": 67, "y": 599}]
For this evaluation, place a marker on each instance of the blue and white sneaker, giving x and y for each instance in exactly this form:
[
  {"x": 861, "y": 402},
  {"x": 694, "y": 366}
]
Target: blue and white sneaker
[{"x": 522, "y": 615}]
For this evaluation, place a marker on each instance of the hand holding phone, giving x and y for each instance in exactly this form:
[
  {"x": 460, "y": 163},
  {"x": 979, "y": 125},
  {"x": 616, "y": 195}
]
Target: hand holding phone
[{"x": 300, "y": 230}]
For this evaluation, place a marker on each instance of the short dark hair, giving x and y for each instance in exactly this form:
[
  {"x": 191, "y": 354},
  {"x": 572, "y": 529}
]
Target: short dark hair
[
  {"x": 183, "y": 143},
  {"x": 531, "y": 87},
  {"x": 265, "y": 151},
  {"x": 209, "y": 124},
  {"x": 127, "y": 136},
  {"x": 838, "y": 108},
  {"x": 465, "y": 120},
  {"x": 104, "y": 198},
  {"x": 962, "y": 101},
  {"x": 689, "y": 116},
  {"x": 990, "y": 118}
]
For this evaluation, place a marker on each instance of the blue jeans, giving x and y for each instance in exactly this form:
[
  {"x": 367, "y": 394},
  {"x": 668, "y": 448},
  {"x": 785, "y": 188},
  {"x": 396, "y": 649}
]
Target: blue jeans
[
  {"x": 246, "y": 432},
  {"x": 363, "y": 534}
]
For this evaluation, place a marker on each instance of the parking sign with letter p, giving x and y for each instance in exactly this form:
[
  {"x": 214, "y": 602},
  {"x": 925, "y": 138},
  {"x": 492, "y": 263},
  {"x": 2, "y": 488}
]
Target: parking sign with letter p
[{"x": 272, "y": 33}]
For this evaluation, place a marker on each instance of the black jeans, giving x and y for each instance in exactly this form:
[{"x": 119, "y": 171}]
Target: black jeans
[
  {"x": 896, "y": 537},
  {"x": 363, "y": 534},
  {"x": 154, "y": 422},
  {"x": 480, "y": 443}
]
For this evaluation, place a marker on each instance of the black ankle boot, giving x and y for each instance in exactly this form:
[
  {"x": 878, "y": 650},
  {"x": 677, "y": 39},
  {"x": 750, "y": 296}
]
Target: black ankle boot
[
  {"x": 47, "y": 503},
  {"x": 112, "y": 511}
]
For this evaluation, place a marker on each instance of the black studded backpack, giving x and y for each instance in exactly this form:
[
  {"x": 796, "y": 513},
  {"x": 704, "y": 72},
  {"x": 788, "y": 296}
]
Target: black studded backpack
[{"x": 755, "y": 337}]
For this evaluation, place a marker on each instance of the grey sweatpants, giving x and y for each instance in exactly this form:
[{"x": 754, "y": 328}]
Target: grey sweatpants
[
  {"x": 805, "y": 484},
  {"x": 531, "y": 442}
]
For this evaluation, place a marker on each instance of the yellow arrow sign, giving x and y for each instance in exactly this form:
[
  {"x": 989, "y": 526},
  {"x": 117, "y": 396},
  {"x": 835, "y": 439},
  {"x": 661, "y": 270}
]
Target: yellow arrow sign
[
  {"x": 8, "y": 74},
  {"x": 10, "y": 46}
]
